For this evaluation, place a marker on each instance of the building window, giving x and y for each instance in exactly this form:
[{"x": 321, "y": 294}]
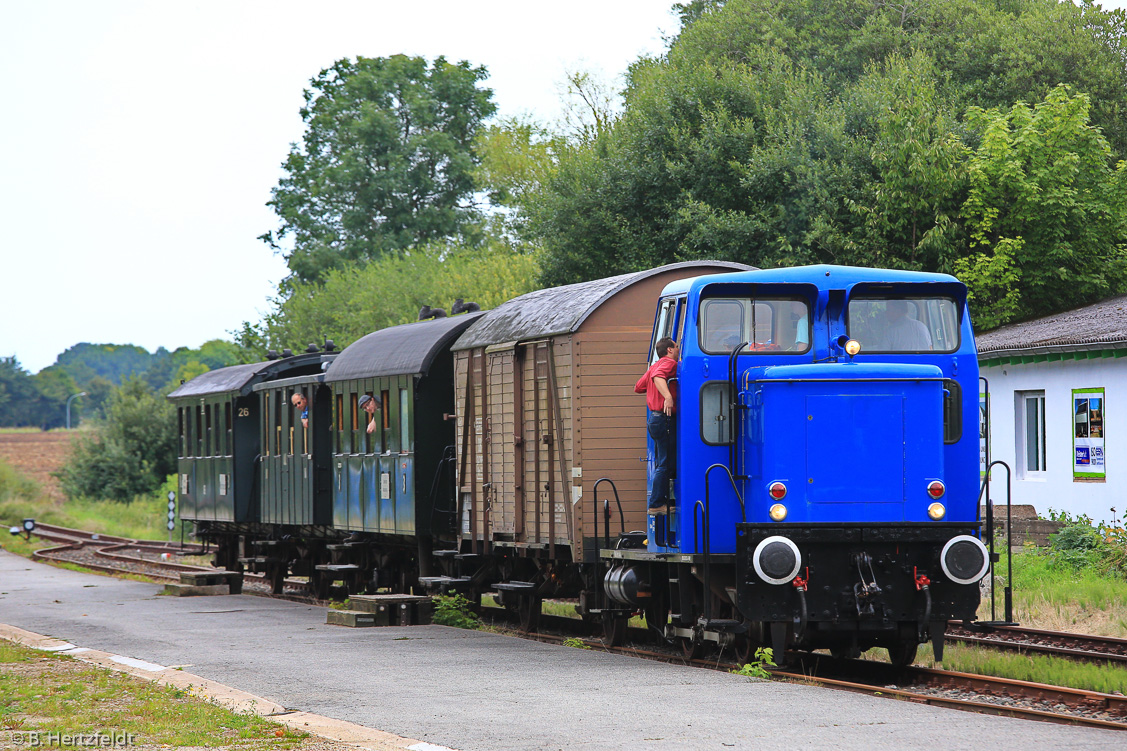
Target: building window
[{"x": 1030, "y": 411}]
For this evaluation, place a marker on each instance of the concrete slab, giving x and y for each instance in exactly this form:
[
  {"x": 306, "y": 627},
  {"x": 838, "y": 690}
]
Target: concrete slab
[{"x": 473, "y": 690}]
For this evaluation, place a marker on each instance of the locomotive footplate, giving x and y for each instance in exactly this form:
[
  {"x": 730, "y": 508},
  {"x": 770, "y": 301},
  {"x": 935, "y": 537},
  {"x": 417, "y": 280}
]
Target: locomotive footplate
[{"x": 871, "y": 581}]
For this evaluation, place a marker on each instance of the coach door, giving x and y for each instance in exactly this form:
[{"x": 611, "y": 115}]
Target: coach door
[
  {"x": 500, "y": 433},
  {"x": 541, "y": 442}
]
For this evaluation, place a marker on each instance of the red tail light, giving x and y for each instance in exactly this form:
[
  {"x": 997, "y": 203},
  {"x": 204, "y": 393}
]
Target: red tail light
[
  {"x": 936, "y": 489},
  {"x": 778, "y": 491}
]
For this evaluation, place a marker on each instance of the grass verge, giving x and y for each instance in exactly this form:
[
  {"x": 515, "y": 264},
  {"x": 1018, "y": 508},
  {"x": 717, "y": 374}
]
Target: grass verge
[
  {"x": 45, "y": 693},
  {"x": 142, "y": 519},
  {"x": 1106, "y": 677}
]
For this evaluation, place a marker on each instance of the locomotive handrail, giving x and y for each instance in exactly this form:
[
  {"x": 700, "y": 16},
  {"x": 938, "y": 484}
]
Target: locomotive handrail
[
  {"x": 706, "y": 548},
  {"x": 732, "y": 480},
  {"x": 606, "y": 515},
  {"x": 733, "y": 406},
  {"x": 1008, "y": 590}
]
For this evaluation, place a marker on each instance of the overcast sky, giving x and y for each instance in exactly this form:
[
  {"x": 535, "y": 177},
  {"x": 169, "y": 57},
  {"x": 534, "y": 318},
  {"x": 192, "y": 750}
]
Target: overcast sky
[{"x": 139, "y": 141}]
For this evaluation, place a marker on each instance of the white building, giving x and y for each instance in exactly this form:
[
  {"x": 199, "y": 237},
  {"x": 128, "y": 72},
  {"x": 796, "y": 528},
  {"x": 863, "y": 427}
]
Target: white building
[{"x": 1058, "y": 410}]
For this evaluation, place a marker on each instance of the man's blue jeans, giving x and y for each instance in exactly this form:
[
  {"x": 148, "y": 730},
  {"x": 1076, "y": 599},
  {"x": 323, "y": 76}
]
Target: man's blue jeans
[{"x": 660, "y": 427}]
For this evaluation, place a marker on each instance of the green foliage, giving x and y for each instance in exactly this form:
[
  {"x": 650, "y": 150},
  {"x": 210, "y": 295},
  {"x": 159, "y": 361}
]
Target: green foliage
[
  {"x": 357, "y": 299},
  {"x": 386, "y": 162},
  {"x": 454, "y": 610},
  {"x": 1045, "y": 209},
  {"x": 143, "y": 519},
  {"x": 803, "y": 131},
  {"x": 15, "y": 487},
  {"x": 757, "y": 666},
  {"x": 27, "y": 400},
  {"x": 575, "y": 643},
  {"x": 132, "y": 451},
  {"x": 1081, "y": 545}
]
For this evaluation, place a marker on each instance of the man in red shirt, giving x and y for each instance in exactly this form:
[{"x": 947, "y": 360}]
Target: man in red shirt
[{"x": 659, "y": 421}]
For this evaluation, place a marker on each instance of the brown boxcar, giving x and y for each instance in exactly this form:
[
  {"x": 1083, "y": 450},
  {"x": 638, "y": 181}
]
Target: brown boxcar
[{"x": 545, "y": 404}]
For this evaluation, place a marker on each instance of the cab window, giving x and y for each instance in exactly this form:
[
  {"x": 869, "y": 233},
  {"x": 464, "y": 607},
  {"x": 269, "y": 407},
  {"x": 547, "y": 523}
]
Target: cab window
[
  {"x": 904, "y": 324},
  {"x": 765, "y": 324}
]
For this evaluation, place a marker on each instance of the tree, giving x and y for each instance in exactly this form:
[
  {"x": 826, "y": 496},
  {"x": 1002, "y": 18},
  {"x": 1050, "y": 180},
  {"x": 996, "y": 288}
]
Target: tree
[
  {"x": 18, "y": 395},
  {"x": 779, "y": 132},
  {"x": 386, "y": 162},
  {"x": 1046, "y": 211},
  {"x": 131, "y": 453}
]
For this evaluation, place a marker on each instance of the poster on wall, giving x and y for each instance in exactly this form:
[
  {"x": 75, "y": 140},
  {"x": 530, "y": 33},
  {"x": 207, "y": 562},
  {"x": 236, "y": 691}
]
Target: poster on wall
[
  {"x": 983, "y": 433},
  {"x": 1088, "y": 434}
]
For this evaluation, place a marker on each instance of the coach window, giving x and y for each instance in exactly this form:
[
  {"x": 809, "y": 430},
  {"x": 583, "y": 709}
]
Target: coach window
[
  {"x": 227, "y": 441},
  {"x": 404, "y": 421},
  {"x": 279, "y": 447},
  {"x": 199, "y": 431},
  {"x": 354, "y": 422},
  {"x": 340, "y": 423},
  {"x": 180, "y": 430}
]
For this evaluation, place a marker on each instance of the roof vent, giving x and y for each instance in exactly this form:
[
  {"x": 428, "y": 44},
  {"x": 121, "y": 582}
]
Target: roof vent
[
  {"x": 464, "y": 307},
  {"x": 272, "y": 355},
  {"x": 287, "y": 352},
  {"x": 329, "y": 345},
  {"x": 427, "y": 311},
  {"x": 312, "y": 348}
]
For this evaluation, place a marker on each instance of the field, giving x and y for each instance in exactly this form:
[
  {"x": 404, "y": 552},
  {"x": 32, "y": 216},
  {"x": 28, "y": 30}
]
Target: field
[{"x": 36, "y": 454}]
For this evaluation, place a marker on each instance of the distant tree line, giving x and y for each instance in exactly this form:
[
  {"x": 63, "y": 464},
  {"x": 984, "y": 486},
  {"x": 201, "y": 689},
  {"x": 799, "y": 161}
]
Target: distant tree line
[{"x": 131, "y": 448}]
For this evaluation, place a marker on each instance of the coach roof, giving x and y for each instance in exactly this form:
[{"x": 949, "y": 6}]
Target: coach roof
[
  {"x": 242, "y": 378},
  {"x": 399, "y": 350},
  {"x": 562, "y": 310}
]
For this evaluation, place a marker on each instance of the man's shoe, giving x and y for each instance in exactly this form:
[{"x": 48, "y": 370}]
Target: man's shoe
[{"x": 657, "y": 510}]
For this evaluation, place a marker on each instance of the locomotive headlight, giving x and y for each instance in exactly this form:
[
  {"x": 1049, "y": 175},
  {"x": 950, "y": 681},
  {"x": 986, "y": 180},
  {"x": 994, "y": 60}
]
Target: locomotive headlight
[
  {"x": 852, "y": 347},
  {"x": 936, "y": 511},
  {"x": 964, "y": 559},
  {"x": 776, "y": 560},
  {"x": 778, "y": 512}
]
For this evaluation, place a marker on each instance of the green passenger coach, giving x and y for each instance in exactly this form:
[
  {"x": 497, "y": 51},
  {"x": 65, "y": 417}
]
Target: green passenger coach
[
  {"x": 386, "y": 463},
  {"x": 219, "y": 417}
]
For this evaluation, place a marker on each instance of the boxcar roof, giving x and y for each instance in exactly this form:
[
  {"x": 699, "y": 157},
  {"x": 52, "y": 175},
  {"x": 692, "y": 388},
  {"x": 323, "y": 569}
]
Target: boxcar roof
[
  {"x": 399, "y": 350},
  {"x": 242, "y": 378},
  {"x": 562, "y": 310}
]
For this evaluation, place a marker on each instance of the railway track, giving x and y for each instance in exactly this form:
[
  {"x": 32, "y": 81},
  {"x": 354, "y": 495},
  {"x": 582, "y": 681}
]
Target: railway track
[
  {"x": 975, "y": 693},
  {"x": 1036, "y": 641},
  {"x": 978, "y": 693}
]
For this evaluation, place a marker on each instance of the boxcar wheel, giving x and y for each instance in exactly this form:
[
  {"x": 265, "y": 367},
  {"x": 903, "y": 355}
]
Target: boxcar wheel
[
  {"x": 528, "y": 610},
  {"x": 277, "y": 576},
  {"x": 691, "y": 648},
  {"x": 903, "y": 654},
  {"x": 614, "y": 630}
]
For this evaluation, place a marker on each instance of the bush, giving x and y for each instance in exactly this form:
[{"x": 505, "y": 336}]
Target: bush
[
  {"x": 454, "y": 610},
  {"x": 1081, "y": 545},
  {"x": 130, "y": 453}
]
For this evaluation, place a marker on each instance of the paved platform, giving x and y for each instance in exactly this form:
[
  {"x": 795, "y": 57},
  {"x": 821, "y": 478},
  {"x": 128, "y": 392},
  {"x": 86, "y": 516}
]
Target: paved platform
[{"x": 476, "y": 691}]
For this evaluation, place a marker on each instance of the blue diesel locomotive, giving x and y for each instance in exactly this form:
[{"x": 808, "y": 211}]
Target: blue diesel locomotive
[{"x": 825, "y": 488}]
